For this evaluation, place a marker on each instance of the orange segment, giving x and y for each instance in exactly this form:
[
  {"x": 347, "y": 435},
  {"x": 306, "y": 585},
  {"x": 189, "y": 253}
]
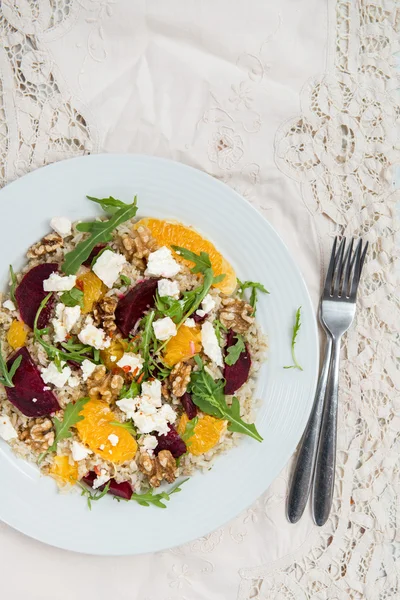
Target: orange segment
[
  {"x": 95, "y": 428},
  {"x": 168, "y": 233},
  {"x": 111, "y": 355},
  {"x": 16, "y": 335},
  {"x": 207, "y": 433},
  {"x": 183, "y": 346},
  {"x": 62, "y": 471},
  {"x": 93, "y": 290}
]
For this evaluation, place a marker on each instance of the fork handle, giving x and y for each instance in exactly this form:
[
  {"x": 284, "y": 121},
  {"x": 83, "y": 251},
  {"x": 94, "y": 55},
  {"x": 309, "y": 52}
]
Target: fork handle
[
  {"x": 324, "y": 479},
  {"x": 304, "y": 468}
]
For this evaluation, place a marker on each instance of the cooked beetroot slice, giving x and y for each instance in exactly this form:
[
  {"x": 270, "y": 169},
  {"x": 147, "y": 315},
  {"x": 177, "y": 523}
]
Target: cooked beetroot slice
[
  {"x": 30, "y": 386},
  {"x": 189, "y": 406},
  {"x": 198, "y": 318},
  {"x": 96, "y": 250},
  {"x": 123, "y": 490},
  {"x": 30, "y": 293},
  {"x": 171, "y": 441},
  {"x": 133, "y": 306},
  {"x": 236, "y": 375}
]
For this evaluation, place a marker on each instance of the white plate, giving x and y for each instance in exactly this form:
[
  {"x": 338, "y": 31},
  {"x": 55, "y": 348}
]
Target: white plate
[{"x": 30, "y": 502}]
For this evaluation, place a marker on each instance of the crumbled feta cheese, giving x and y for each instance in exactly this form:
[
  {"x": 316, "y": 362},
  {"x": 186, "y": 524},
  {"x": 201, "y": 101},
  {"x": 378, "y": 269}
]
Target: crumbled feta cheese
[
  {"x": 206, "y": 306},
  {"x": 87, "y": 369},
  {"x": 164, "y": 328},
  {"x": 65, "y": 319},
  {"x": 56, "y": 283},
  {"x": 93, "y": 336},
  {"x": 147, "y": 411},
  {"x": 34, "y": 400},
  {"x": 190, "y": 322},
  {"x": 132, "y": 361},
  {"x": 161, "y": 264},
  {"x": 52, "y": 375},
  {"x": 73, "y": 381},
  {"x": 9, "y": 305},
  {"x": 113, "y": 439},
  {"x": 108, "y": 267},
  {"x": 168, "y": 288},
  {"x": 210, "y": 343},
  {"x": 7, "y": 431},
  {"x": 61, "y": 225},
  {"x": 79, "y": 452},
  {"x": 149, "y": 443},
  {"x": 101, "y": 479}
]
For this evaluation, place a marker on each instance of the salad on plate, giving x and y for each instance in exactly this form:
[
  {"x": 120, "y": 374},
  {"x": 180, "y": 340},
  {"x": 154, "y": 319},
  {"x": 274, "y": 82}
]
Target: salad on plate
[{"x": 129, "y": 352}]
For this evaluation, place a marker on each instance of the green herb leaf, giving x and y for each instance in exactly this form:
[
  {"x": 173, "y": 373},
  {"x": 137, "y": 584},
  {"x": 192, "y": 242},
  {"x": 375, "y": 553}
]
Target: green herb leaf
[
  {"x": 101, "y": 231},
  {"x": 296, "y": 329},
  {"x": 201, "y": 261},
  {"x": 236, "y": 424},
  {"x": 129, "y": 426},
  {"x": 125, "y": 280},
  {"x": 13, "y": 285},
  {"x": 110, "y": 205},
  {"x": 63, "y": 428},
  {"x": 6, "y": 376},
  {"x": 150, "y": 498},
  {"x": 169, "y": 307},
  {"x": 235, "y": 351},
  {"x": 72, "y": 298},
  {"x": 254, "y": 286},
  {"x": 209, "y": 396},
  {"x": 218, "y": 327},
  {"x": 189, "y": 430},
  {"x": 130, "y": 391},
  {"x": 93, "y": 496},
  {"x": 147, "y": 337}
]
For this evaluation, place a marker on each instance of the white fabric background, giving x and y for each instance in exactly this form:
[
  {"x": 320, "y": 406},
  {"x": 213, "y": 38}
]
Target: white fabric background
[{"x": 294, "y": 104}]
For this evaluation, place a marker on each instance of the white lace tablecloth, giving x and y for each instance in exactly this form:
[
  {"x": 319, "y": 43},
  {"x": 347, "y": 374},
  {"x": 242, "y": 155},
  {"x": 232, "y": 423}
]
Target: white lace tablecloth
[{"x": 293, "y": 103}]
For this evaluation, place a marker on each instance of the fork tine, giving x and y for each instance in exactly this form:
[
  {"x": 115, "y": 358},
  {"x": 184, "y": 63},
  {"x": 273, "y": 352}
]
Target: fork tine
[
  {"x": 347, "y": 275},
  {"x": 340, "y": 264},
  {"x": 331, "y": 270},
  {"x": 358, "y": 265}
]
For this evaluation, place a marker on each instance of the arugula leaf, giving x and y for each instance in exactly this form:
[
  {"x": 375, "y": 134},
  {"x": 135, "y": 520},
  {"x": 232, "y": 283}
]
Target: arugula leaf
[
  {"x": 296, "y": 329},
  {"x": 189, "y": 430},
  {"x": 110, "y": 205},
  {"x": 157, "y": 499},
  {"x": 7, "y": 375},
  {"x": 71, "y": 417},
  {"x": 218, "y": 327},
  {"x": 125, "y": 280},
  {"x": 130, "y": 391},
  {"x": 147, "y": 337},
  {"x": 93, "y": 496},
  {"x": 13, "y": 285},
  {"x": 254, "y": 286},
  {"x": 101, "y": 231},
  {"x": 235, "y": 351},
  {"x": 169, "y": 307},
  {"x": 72, "y": 298},
  {"x": 209, "y": 396},
  {"x": 129, "y": 426},
  {"x": 201, "y": 261}
]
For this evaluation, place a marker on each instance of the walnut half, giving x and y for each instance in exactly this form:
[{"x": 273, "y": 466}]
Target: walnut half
[
  {"x": 104, "y": 314},
  {"x": 138, "y": 246},
  {"x": 48, "y": 245},
  {"x": 236, "y": 314},
  {"x": 39, "y": 434},
  {"x": 179, "y": 378},
  {"x": 158, "y": 468},
  {"x": 103, "y": 386}
]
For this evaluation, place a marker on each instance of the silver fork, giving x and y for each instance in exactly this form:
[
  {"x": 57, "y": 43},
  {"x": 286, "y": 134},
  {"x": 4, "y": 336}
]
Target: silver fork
[{"x": 337, "y": 310}]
